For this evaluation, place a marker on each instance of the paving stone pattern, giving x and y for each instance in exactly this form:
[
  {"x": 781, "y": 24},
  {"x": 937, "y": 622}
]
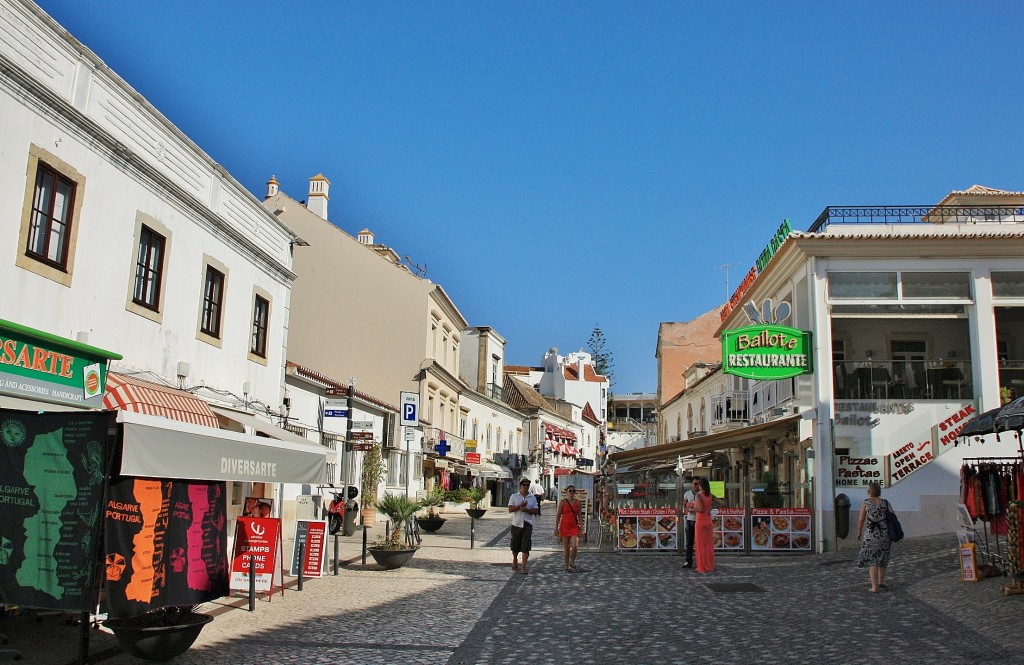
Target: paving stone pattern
[{"x": 459, "y": 606}]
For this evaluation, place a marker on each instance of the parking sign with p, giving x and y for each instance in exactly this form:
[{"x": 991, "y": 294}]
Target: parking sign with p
[{"x": 410, "y": 405}]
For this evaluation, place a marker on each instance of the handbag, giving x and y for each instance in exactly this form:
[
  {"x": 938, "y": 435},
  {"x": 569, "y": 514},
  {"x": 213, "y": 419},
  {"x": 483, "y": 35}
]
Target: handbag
[{"x": 892, "y": 523}]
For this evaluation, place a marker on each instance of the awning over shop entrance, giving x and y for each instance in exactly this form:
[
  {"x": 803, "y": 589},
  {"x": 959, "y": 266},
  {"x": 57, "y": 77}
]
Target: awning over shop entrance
[
  {"x": 127, "y": 393},
  {"x": 156, "y": 447},
  {"x": 266, "y": 429},
  {"x": 488, "y": 470}
]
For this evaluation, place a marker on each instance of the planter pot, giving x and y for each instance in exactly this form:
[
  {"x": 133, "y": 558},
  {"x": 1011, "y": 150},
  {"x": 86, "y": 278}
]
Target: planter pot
[
  {"x": 369, "y": 516},
  {"x": 158, "y": 643},
  {"x": 476, "y": 513},
  {"x": 430, "y": 524},
  {"x": 391, "y": 559}
]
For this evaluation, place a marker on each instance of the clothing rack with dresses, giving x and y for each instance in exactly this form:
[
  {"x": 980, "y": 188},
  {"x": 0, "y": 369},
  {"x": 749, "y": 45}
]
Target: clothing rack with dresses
[{"x": 988, "y": 485}]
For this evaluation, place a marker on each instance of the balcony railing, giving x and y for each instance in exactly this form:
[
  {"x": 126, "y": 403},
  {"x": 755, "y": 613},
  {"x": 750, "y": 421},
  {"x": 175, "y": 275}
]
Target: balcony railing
[
  {"x": 903, "y": 379},
  {"x": 944, "y": 214},
  {"x": 495, "y": 392},
  {"x": 730, "y": 408}
]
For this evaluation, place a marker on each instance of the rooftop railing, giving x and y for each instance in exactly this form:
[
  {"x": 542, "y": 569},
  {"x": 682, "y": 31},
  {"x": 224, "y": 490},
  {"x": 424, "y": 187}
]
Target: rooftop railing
[{"x": 942, "y": 214}]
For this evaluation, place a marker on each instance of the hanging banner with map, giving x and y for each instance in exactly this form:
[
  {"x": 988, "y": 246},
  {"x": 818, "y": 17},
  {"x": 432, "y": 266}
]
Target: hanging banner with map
[
  {"x": 165, "y": 544},
  {"x": 51, "y": 489}
]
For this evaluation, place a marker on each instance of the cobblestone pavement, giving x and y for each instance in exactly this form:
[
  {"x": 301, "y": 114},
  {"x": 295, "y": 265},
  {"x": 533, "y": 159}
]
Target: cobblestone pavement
[{"x": 458, "y": 606}]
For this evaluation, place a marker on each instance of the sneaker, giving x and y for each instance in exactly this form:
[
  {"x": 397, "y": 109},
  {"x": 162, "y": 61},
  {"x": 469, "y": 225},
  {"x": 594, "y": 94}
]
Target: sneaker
[{"x": 687, "y": 565}]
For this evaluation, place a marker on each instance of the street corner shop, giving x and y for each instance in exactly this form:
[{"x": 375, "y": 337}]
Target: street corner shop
[{"x": 85, "y": 485}]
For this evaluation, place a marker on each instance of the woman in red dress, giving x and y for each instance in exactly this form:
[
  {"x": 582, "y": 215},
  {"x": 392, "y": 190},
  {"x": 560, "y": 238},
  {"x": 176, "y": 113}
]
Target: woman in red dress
[
  {"x": 704, "y": 539},
  {"x": 567, "y": 527}
]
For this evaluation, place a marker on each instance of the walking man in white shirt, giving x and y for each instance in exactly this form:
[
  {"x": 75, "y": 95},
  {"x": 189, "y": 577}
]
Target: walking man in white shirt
[
  {"x": 537, "y": 490},
  {"x": 523, "y": 507}
]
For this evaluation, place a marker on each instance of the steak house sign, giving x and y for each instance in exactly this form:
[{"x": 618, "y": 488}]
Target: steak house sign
[{"x": 766, "y": 352}]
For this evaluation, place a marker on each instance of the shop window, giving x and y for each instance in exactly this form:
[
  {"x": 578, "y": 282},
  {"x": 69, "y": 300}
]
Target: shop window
[
  {"x": 1008, "y": 284},
  {"x": 936, "y": 285},
  {"x": 862, "y": 285},
  {"x": 211, "y": 317},
  {"x": 149, "y": 269},
  {"x": 213, "y": 300},
  {"x": 397, "y": 468},
  {"x": 50, "y": 216},
  {"x": 260, "y": 323}
]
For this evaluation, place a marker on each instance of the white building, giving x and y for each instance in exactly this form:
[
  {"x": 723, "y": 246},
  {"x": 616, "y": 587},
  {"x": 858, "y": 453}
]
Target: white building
[
  {"x": 123, "y": 234},
  {"x": 916, "y": 316}
]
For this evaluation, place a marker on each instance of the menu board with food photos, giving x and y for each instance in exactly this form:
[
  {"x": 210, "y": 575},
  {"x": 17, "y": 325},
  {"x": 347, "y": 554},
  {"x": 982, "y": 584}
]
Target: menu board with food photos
[
  {"x": 647, "y": 529},
  {"x": 780, "y": 529},
  {"x": 727, "y": 528}
]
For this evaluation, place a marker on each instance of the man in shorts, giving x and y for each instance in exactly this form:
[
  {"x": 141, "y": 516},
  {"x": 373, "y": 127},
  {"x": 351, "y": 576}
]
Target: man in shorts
[{"x": 523, "y": 507}]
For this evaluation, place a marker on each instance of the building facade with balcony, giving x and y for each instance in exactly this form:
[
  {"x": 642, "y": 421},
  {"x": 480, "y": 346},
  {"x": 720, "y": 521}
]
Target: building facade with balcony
[{"x": 916, "y": 319}]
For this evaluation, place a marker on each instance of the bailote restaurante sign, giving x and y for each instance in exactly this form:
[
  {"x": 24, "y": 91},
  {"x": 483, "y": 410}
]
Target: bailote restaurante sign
[
  {"x": 766, "y": 352},
  {"x": 37, "y": 365}
]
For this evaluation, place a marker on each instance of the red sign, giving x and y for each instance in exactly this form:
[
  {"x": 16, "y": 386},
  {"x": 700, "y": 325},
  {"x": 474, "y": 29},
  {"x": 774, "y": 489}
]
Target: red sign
[
  {"x": 472, "y": 458},
  {"x": 256, "y": 540},
  {"x": 362, "y": 436},
  {"x": 562, "y": 471},
  {"x": 364, "y": 446}
]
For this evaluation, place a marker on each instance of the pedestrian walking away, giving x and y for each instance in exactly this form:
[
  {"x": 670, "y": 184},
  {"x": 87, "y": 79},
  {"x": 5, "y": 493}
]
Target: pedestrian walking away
[
  {"x": 567, "y": 527},
  {"x": 523, "y": 507},
  {"x": 703, "y": 530},
  {"x": 875, "y": 544},
  {"x": 537, "y": 490},
  {"x": 690, "y": 522}
]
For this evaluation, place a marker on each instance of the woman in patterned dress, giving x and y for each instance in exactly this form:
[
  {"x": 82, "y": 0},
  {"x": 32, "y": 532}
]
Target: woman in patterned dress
[{"x": 875, "y": 544}]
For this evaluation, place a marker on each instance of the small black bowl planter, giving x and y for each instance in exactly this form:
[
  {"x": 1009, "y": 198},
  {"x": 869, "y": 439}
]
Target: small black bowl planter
[
  {"x": 430, "y": 524},
  {"x": 154, "y": 642},
  {"x": 476, "y": 513},
  {"x": 390, "y": 559}
]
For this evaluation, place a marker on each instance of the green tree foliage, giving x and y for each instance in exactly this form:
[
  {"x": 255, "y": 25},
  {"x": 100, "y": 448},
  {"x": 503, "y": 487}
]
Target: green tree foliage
[{"x": 604, "y": 363}]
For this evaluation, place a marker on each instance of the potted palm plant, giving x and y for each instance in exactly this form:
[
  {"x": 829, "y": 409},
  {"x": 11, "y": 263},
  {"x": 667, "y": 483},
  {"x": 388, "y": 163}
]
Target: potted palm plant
[
  {"x": 434, "y": 500},
  {"x": 397, "y": 549},
  {"x": 160, "y": 634},
  {"x": 372, "y": 474},
  {"x": 475, "y": 495}
]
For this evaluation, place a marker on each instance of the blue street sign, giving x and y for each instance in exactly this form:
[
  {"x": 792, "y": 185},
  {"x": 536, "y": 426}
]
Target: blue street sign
[
  {"x": 336, "y": 413},
  {"x": 442, "y": 447}
]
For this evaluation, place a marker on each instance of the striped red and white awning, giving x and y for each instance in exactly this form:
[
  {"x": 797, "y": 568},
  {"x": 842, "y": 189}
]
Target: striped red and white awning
[{"x": 130, "y": 394}]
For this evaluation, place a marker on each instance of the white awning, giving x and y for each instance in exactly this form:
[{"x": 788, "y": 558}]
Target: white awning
[
  {"x": 157, "y": 447},
  {"x": 488, "y": 470},
  {"x": 265, "y": 428}
]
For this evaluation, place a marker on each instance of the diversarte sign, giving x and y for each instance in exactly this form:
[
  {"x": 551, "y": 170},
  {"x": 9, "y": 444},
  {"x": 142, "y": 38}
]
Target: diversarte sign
[{"x": 766, "y": 352}]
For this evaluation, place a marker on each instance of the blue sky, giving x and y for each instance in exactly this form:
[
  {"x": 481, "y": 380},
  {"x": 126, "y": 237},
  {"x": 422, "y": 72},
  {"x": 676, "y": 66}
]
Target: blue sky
[{"x": 560, "y": 165}]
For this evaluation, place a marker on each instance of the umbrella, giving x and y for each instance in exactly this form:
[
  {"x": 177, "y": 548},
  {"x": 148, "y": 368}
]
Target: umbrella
[
  {"x": 981, "y": 425},
  {"x": 1011, "y": 416}
]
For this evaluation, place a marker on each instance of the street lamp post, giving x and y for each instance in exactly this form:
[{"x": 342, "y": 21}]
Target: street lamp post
[
  {"x": 348, "y": 427},
  {"x": 680, "y": 516}
]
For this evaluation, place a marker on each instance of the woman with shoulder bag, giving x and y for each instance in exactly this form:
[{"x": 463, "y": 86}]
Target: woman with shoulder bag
[
  {"x": 568, "y": 528},
  {"x": 875, "y": 544}
]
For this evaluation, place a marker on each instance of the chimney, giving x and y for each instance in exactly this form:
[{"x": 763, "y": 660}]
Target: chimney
[
  {"x": 272, "y": 187},
  {"x": 365, "y": 237},
  {"x": 319, "y": 186},
  {"x": 579, "y": 367}
]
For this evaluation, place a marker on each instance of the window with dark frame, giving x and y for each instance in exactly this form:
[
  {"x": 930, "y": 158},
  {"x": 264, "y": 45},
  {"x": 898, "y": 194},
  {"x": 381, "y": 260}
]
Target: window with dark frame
[
  {"x": 149, "y": 268},
  {"x": 260, "y": 315},
  {"x": 50, "y": 224},
  {"x": 213, "y": 298}
]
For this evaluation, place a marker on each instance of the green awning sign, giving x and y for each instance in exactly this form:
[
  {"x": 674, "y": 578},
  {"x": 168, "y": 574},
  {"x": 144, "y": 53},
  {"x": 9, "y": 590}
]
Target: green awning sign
[
  {"x": 40, "y": 366},
  {"x": 766, "y": 352}
]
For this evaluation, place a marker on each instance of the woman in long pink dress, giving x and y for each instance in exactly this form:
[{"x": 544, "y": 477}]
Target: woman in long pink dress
[{"x": 704, "y": 539}]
